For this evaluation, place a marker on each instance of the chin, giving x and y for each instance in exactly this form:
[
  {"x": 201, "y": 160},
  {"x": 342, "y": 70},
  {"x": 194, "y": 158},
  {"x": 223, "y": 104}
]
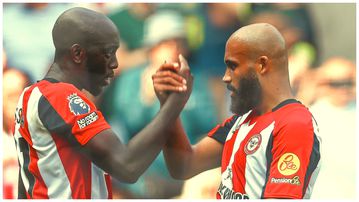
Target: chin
[{"x": 95, "y": 92}]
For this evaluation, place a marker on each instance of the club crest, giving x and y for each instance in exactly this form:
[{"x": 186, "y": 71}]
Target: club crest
[
  {"x": 253, "y": 144},
  {"x": 77, "y": 105}
]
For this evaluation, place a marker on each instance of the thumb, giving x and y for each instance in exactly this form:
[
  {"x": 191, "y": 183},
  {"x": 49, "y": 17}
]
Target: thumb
[{"x": 184, "y": 64}]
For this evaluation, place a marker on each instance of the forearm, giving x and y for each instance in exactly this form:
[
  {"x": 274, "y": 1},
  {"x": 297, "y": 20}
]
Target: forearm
[
  {"x": 146, "y": 145},
  {"x": 178, "y": 152}
]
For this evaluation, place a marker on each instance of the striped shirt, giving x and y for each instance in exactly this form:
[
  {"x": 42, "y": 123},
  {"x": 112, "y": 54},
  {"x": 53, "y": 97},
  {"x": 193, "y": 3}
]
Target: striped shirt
[
  {"x": 53, "y": 120},
  {"x": 274, "y": 155}
]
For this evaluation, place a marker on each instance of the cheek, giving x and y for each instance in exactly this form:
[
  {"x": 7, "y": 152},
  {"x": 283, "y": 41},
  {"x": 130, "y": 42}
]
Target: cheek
[{"x": 96, "y": 65}]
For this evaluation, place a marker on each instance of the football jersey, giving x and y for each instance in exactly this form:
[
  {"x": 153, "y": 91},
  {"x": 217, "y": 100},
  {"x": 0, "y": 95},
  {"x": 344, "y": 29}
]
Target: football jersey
[
  {"x": 273, "y": 155},
  {"x": 53, "y": 120}
]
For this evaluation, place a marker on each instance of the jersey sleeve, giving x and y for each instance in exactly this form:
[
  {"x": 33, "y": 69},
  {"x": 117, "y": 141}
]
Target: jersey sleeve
[
  {"x": 292, "y": 158},
  {"x": 66, "y": 111},
  {"x": 221, "y": 131}
]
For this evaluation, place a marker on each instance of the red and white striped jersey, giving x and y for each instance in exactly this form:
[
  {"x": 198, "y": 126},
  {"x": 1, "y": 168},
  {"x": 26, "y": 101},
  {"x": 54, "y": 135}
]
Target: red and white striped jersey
[
  {"x": 53, "y": 120},
  {"x": 274, "y": 155}
]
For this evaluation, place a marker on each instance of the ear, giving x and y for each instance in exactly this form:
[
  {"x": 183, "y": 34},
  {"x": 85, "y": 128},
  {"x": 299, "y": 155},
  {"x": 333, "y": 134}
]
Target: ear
[
  {"x": 77, "y": 53},
  {"x": 262, "y": 64}
]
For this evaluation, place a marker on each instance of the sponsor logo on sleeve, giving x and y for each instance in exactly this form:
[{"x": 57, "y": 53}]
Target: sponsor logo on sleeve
[
  {"x": 288, "y": 164},
  {"x": 87, "y": 120},
  {"x": 294, "y": 181},
  {"x": 253, "y": 144},
  {"x": 77, "y": 105}
]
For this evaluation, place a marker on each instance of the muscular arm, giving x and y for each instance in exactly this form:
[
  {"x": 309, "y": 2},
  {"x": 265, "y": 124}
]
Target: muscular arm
[
  {"x": 184, "y": 160},
  {"x": 128, "y": 162}
]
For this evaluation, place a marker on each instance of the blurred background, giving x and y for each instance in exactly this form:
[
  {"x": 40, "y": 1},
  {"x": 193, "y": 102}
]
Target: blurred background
[{"x": 321, "y": 42}]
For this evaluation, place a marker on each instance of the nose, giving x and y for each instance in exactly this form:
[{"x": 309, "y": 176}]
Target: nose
[
  {"x": 227, "y": 77},
  {"x": 113, "y": 63}
]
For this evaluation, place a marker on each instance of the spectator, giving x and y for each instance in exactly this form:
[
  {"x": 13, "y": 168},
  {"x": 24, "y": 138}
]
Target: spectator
[
  {"x": 130, "y": 20},
  {"x": 335, "y": 110},
  {"x": 21, "y": 52}
]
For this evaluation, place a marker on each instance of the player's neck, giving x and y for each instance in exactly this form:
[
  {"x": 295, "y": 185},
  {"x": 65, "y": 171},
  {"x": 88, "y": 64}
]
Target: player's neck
[
  {"x": 60, "y": 74},
  {"x": 271, "y": 101}
]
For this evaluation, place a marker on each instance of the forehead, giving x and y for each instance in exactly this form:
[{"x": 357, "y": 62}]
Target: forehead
[
  {"x": 104, "y": 42},
  {"x": 234, "y": 50},
  {"x": 104, "y": 32},
  {"x": 339, "y": 70}
]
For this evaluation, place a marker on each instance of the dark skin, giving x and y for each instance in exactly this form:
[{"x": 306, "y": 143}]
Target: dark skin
[
  {"x": 258, "y": 49},
  {"x": 86, "y": 58}
]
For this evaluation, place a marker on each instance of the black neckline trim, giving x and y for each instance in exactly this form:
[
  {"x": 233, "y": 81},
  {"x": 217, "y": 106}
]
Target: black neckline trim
[
  {"x": 285, "y": 102},
  {"x": 51, "y": 80}
]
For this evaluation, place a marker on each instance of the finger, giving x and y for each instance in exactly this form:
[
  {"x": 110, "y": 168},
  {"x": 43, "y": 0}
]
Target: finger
[
  {"x": 169, "y": 74},
  {"x": 163, "y": 87},
  {"x": 183, "y": 61},
  {"x": 170, "y": 66},
  {"x": 169, "y": 81}
]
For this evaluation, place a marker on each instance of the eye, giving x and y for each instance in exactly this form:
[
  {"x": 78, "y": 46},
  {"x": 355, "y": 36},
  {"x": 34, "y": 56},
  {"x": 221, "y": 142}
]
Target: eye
[
  {"x": 110, "y": 52},
  {"x": 231, "y": 65}
]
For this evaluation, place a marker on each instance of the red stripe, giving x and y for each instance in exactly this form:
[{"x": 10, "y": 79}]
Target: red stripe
[
  {"x": 239, "y": 166},
  {"x": 76, "y": 166},
  {"x": 108, "y": 185},
  {"x": 213, "y": 131},
  {"x": 39, "y": 188}
]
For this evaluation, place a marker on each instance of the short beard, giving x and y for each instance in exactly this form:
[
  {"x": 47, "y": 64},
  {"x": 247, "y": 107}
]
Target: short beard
[{"x": 248, "y": 96}]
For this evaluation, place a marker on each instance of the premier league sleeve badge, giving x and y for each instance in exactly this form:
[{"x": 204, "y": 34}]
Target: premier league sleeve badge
[{"x": 77, "y": 105}]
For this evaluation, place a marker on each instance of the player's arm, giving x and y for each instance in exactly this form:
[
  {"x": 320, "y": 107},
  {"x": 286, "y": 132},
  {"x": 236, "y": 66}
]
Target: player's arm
[
  {"x": 295, "y": 157},
  {"x": 128, "y": 162},
  {"x": 184, "y": 160}
]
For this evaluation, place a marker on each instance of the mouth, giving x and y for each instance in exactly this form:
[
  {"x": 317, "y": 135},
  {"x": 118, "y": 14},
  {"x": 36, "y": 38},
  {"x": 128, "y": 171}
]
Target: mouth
[
  {"x": 108, "y": 79},
  {"x": 231, "y": 89}
]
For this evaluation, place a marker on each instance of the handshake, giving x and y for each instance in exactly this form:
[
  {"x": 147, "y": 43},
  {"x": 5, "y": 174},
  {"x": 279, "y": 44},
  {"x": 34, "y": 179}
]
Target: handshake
[{"x": 173, "y": 77}]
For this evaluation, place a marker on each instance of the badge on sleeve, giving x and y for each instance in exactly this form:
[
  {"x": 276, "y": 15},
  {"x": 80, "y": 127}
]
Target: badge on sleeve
[
  {"x": 288, "y": 164},
  {"x": 77, "y": 105}
]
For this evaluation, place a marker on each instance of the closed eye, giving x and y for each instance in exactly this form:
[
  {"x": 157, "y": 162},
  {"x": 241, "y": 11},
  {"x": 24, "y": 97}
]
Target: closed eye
[
  {"x": 110, "y": 52},
  {"x": 231, "y": 65}
]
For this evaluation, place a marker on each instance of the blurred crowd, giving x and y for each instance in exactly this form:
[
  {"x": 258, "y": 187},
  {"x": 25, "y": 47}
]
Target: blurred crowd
[{"x": 152, "y": 33}]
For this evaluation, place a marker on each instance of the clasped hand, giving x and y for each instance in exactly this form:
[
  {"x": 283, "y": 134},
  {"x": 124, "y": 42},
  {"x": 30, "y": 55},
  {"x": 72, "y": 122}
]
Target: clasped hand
[{"x": 173, "y": 77}]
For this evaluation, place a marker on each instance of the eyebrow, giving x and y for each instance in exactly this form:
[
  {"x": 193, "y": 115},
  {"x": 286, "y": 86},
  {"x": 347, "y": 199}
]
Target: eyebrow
[{"x": 230, "y": 62}]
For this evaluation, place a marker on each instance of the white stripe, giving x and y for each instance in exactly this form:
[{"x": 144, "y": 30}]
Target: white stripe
[
  {"x": 236, "y": 125},
  {"x": 49, "y": 163},
  {"x": 256, "y": 166},
  {"x": 243, "y": 130},
  {"x": 98, "y": 183}
]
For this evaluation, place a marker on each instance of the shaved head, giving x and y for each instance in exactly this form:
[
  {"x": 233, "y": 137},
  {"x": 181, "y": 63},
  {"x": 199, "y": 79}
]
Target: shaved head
[
  {"x": 81, "y": 26},
  {"x": 86, "y": 43},
  {"x": 260, "y": 39}
]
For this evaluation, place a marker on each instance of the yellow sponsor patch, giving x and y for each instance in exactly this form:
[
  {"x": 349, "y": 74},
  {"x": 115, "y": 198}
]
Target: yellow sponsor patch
[{"x": 288, "y": 164}]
